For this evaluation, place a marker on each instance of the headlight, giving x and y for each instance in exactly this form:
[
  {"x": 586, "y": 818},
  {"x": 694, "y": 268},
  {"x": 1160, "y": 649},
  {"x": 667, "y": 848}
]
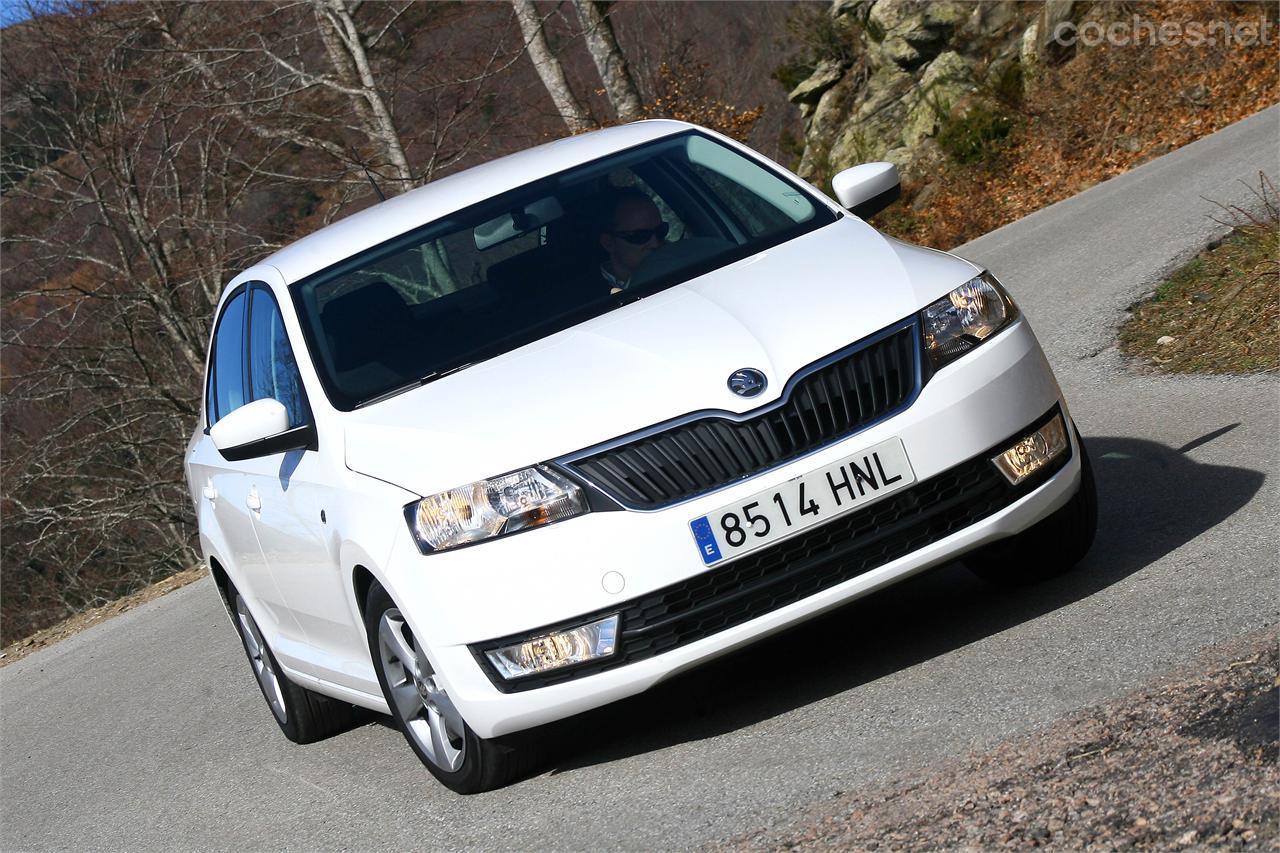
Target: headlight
[
  {"x": 966, "y": 317},
  {"x": 493, "y": 507}
]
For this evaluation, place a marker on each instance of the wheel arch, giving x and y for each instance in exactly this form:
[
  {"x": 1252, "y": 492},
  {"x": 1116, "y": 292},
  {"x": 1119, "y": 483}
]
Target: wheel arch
[
  {"x": 362, "y": 580},
  {"x": 222, "y": 581},
  {"x": 362, "y": 571}
]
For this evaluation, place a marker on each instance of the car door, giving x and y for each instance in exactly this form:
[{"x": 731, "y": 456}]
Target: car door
[
  {"x": 294, "y": 495},
  {"x": 222, "y": 486}
]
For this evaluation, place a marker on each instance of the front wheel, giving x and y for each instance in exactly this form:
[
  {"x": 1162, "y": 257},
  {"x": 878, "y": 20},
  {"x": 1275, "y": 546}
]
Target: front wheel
[
  {"x": 462, "y": 760},
  {"x": 1048, "y": 548}
]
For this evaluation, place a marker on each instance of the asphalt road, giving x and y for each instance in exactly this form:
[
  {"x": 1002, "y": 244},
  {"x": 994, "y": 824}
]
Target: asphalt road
[{"x": 148, "y": 731}]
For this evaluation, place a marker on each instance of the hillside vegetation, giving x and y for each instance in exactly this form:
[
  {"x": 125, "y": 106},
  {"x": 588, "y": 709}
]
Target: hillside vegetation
[{"x": 990, "y": 118}]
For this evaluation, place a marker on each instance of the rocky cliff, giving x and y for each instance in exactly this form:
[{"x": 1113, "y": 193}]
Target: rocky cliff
[{"x": 917, "y": 76}]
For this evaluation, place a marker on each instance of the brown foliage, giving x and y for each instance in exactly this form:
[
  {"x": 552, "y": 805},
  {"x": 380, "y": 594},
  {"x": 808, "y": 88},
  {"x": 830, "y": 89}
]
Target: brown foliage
[
  {"x": 1099, "y": 114},
  {"x": 113, "y": 257},
  {"x": 679, "y": 95}
]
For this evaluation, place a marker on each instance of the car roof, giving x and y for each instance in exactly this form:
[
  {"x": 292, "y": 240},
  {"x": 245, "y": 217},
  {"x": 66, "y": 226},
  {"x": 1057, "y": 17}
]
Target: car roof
[{"x": 382, "y": 221}]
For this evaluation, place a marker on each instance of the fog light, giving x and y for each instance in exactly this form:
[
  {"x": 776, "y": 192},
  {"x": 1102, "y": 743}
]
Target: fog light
[
  {"x": 1033, "y": 452},
  {"x": 586, "y": 642}
]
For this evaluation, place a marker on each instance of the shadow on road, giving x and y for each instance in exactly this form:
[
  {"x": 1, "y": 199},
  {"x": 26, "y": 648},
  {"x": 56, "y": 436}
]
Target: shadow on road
[{"x": 1152, "y": 499}]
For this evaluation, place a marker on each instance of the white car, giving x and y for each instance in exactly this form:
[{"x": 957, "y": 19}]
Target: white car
[{"x": 544, "y": 433}]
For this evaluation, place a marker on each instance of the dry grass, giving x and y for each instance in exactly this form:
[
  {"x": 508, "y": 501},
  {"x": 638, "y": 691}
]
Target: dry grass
[
  {"x": 1221, "y": 312},
  {"x": 1098, "y": 115}
]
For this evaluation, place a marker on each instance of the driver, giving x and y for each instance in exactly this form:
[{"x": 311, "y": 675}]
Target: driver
[{"x": 631, "y": 230}]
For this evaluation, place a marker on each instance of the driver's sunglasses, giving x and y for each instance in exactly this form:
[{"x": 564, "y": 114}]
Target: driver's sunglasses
[{"x": 640, "y": 236}]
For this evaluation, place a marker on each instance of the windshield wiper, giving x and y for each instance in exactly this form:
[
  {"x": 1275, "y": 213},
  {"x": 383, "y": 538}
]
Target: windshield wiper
[
  {"x": 399, "y": 389},
  {"x": 417, "y": 383}
]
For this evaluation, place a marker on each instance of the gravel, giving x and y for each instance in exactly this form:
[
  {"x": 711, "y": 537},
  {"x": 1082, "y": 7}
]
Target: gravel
[{"x": 1188, "y": 762}]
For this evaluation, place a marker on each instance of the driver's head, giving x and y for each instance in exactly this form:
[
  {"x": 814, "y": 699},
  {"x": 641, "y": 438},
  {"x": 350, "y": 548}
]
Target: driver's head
[{"x": 631, "y": 229}]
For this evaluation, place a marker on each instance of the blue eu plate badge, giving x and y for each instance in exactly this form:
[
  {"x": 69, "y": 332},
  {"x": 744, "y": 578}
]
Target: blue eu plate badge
[{"x": 706, "y": 540}]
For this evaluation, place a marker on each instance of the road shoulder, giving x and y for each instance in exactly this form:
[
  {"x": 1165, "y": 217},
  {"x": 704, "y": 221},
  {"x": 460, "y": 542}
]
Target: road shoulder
[
  {"x": 86, "y": 619},
  {"x": 1187, "y": 761}
]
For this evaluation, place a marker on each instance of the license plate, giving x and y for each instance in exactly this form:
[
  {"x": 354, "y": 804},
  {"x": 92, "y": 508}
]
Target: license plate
[{"x": 843, "y": 486}]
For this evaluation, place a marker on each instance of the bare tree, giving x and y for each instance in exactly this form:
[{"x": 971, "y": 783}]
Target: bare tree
[
  {"x": 575, "y": 115},
  {"x": 113, "y": 259},
  {"x": 278, "y": 90},
  {"x": 610, "y": 61},
  {"x": 345, "y": 99}
]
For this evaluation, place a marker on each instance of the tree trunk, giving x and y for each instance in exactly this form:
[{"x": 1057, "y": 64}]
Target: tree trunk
[
  {"x": 548, "y": 67},
  {"x": 619, "y": 85},
  {"x": 348, "y": 56}
]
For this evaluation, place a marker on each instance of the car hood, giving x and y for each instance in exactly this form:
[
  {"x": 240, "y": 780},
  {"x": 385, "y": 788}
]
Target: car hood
[{"x": 660, "y": 357}]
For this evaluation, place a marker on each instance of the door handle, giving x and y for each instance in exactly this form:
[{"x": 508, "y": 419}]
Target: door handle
[
  {"x": 253, "y": 501},
  {"x": 210, "y": 493}
]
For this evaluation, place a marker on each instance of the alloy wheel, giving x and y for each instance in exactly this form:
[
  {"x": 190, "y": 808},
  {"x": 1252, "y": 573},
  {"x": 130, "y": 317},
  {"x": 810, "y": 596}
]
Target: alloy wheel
[
  {"x": 422, "y": 703},
  {"x": 263, "y": 667}
]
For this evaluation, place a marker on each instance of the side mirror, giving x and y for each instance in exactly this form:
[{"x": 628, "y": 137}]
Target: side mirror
[
  {"x": 260, "y": 428},
  {"x": 868, "y": 189}
]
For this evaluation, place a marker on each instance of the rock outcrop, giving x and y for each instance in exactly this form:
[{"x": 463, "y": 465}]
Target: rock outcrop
[{"x": 916, "y": 64}]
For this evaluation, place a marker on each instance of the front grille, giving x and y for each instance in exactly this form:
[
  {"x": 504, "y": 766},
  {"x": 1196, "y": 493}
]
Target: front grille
[
  {"x": 796, "y": 568},
  {"x": 826, "y": 402}
]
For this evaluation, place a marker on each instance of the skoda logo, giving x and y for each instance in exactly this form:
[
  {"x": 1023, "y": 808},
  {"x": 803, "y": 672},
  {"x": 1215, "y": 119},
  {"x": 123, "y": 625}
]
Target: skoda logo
[{"x": 747, "y": 382}]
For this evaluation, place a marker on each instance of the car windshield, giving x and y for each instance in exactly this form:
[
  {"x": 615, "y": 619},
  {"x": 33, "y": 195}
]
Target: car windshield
[{"x": 539, "y": 259}]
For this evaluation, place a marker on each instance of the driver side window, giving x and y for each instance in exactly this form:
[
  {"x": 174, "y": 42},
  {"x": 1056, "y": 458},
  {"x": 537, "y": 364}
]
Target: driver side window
[{"x": 226, "y": 373}]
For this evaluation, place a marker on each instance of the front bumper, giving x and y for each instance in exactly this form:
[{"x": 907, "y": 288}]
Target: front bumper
[
  {"x": 460, "y": 602},
  {"x": 820, "y": 557}
]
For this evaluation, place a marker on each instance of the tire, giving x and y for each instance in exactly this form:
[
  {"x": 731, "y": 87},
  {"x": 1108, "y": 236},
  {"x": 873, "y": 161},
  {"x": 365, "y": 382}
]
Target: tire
[
  {"x": 463, "y": 761},
  {"x": 303, "y": 716},
  {"x": 1051, "y": 546}
]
